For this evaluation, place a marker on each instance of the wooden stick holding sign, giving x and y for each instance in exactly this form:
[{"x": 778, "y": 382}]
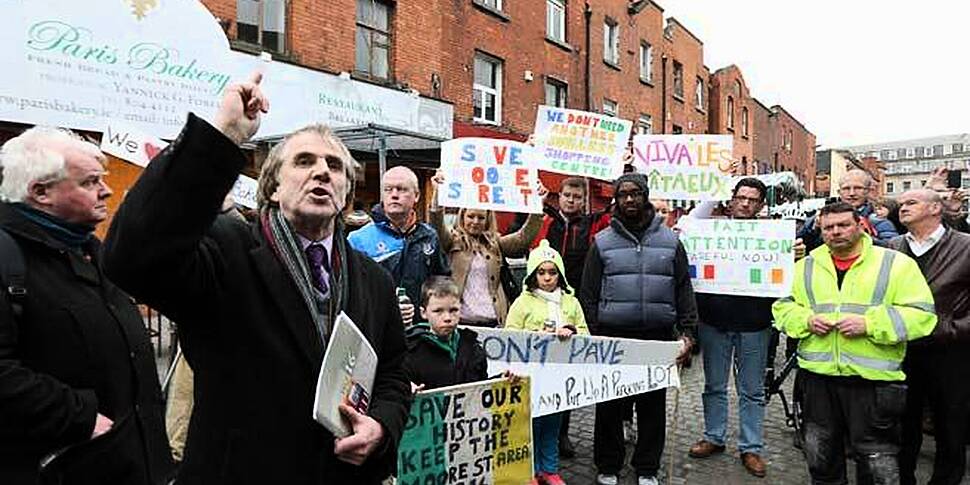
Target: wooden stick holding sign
[{"x": 489, "y": 174}]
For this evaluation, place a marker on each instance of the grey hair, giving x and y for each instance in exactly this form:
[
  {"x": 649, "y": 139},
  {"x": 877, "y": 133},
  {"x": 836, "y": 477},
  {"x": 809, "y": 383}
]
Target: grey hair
[
  {"x": 33, "y": 157},
  {"x": 269, "y": 175}
]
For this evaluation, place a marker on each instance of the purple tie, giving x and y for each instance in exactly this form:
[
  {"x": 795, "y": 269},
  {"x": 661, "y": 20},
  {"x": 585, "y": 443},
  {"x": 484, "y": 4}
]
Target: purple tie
[{"x": 316, "y": 254}]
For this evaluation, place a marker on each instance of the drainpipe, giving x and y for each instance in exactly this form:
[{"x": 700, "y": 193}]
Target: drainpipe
[
  {"x": 587, "y": 84},
  {"x": 663, "y": 96}
]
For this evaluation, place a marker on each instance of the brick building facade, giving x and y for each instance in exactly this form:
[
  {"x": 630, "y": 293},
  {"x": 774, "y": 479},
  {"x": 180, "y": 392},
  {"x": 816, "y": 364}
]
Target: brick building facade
[{"x": 731, "y": 105}]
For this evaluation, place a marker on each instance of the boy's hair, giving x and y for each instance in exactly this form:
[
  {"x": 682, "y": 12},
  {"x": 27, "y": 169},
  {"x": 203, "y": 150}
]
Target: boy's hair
[
  {"x": 575, "y": 182},
  {"x": 532, "y": 282},
  {"x": 438, "y": 287}
]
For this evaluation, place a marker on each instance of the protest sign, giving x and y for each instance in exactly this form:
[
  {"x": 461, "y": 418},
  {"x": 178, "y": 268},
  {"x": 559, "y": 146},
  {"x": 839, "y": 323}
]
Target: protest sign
[
  {"x": 740, "y": 257},
  {"x": 489, "y": 174},
  {"x": 477, "y": 433},
  {"x": 685, "y": 167},
  {"x": 130, "y": 145},
  {"x": 580, "y": 143},
  {"x": 583, "y": 370}
]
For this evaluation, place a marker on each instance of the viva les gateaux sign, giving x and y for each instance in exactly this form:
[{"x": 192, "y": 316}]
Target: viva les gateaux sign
[{"x": 142, "y": 62}]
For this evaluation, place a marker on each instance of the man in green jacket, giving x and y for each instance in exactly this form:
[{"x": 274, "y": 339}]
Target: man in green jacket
[{"x": 853, "y": 307}]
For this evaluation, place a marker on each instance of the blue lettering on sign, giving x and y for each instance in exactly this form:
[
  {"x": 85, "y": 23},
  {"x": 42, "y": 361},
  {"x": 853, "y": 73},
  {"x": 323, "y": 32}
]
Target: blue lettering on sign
[
  {"x": 468, "y": 153},
  {"x": 492, "y": 175},
  {"x": 454, "y": 190},
  {"x": 497, "y": 195},
  {"x": 531, "y": 348},
  {"x": 555, "y": 116},
  {"x": 587, "y": 351},
  {"x": 514, "y": 157}
]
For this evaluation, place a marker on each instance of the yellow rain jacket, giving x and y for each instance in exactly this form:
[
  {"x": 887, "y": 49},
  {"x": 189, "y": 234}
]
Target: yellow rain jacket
[{"x": 884, "y": 286}]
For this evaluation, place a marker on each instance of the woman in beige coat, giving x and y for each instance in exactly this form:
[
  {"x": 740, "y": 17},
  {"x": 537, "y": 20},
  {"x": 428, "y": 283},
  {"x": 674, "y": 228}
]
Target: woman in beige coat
[{"x": 476, "y": 251}]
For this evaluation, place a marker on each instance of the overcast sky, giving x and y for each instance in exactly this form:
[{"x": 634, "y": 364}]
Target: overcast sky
[{"x": 853, "y": 71}]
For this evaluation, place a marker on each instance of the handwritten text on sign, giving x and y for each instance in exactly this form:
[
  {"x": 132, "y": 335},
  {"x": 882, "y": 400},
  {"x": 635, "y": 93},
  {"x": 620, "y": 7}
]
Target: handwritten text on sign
[
  {"x": 685, "y": 167},
  {"x": 580, "y": 143},
  {"x": 582, "y": 370},
  {"x": 470, "y": 433},
  {"x": 740, "y": 257},
  {"x": 489, "y": 174}
]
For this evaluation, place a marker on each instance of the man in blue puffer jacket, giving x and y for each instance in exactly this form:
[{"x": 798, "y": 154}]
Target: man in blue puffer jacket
[{"x": 408, "y": 249}]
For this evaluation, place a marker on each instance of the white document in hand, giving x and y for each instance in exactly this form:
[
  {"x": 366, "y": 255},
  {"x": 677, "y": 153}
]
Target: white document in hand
[{"x": 346, "y": 376}]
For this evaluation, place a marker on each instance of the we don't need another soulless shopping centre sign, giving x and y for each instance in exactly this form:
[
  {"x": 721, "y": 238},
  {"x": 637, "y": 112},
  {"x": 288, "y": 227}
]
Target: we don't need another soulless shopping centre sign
[{"x": 145, "y": 64}]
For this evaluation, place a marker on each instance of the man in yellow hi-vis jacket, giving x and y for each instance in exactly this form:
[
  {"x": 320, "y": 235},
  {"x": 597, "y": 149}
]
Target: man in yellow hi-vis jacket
[{"x": 853, "y": 307}]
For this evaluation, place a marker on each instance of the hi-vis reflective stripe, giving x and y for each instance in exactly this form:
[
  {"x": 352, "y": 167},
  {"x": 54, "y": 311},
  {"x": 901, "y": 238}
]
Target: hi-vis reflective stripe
[
  {"x": 854, "y": 308},
  {"x": 809, "y": 269},
  {"x": 882, "y": 281},
  {"x": 816, "y": 356},
  {"x": 926, "y": 307},
  {"x": 877, "y": 364},
  {"x": 898, "y": 323}
]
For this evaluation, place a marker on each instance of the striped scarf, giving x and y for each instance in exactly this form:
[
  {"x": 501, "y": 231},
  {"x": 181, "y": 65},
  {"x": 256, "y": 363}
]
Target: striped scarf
[{"x": 280, "y": 236}]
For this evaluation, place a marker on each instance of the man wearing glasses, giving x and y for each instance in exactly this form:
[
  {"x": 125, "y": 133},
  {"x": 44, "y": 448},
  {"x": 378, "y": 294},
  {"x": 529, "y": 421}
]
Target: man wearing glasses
[
  {"x": 735, "y": 329},
  {"x": 636, "y": 284},
  {"x": 854, "y": 189}
]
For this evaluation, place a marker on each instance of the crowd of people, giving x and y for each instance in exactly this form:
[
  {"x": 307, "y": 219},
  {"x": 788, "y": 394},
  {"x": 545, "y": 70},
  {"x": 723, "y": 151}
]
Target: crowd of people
[{"x": 881, "y": 321}]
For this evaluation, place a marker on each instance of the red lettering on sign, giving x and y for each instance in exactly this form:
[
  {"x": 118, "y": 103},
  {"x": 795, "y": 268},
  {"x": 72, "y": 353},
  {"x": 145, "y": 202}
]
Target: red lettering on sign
[
  {"x": 478, "y": 175},
  {"x": 483, "y": 194}
]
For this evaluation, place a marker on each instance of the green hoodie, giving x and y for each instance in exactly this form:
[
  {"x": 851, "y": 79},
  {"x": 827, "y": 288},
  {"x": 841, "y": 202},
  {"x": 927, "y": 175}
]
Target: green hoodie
[{"x": 423, "y": 331}]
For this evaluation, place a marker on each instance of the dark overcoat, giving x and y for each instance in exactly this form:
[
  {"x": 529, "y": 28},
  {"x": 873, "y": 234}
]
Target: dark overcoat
[
  {"x": 80, "y": 348},
  {"x": 244, "y": 327}
]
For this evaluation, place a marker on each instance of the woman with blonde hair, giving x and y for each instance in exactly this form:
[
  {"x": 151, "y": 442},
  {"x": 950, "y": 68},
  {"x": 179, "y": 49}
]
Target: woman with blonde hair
[{"x": 476, "y": 251}]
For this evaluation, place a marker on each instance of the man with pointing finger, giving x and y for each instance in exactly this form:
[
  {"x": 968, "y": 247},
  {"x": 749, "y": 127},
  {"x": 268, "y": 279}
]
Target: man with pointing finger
[
  {"x": 256, "y": 303},
  {"x": 853, "y": 307}
]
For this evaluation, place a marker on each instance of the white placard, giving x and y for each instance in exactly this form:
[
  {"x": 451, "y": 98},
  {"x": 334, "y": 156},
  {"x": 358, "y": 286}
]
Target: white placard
[
  {"x": 489, "y": 174},
  {"x": 583, "y": 370},
  {"x": 685, "y": 167},
  {"x": 740, "y": 257}
]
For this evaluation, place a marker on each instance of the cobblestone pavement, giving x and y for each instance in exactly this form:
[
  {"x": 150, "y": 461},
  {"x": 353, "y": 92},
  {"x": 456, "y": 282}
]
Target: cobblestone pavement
[{"x": 785, "y": 463}]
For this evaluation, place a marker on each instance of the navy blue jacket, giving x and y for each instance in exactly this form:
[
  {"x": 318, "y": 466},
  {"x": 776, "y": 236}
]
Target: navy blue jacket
[{"x": 410, "y": 258}]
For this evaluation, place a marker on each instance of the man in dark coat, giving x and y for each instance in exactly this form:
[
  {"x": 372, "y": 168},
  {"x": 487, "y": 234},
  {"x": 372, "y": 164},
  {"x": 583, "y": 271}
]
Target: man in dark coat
[
  {"x": 77, "y": 373},
  {"x": 255, "y": 302}
]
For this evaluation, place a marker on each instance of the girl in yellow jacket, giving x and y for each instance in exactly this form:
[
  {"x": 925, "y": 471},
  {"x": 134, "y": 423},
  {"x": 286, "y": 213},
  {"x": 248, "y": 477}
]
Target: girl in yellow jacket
[{"x": 547, "y": 304}]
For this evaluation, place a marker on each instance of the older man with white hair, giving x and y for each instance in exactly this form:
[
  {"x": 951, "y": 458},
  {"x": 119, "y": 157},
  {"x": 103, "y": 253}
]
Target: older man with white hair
[
  {"x": 79, "y": 393},
  {"x": 937, "y": 368}
]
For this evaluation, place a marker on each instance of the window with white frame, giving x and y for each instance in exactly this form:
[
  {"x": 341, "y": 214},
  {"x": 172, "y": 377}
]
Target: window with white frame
[
  {"x": 646, "y": 62},
  {"x": 910, "y": 152},
  {"x": 699, "y": 94},
  {"x": 556, "y": 93},
  {"x": 744, "y": 121},
  {"x": 492, "y": 4},
  {"x": 907, "y": 185},
  {"x": 610, "y": 108},
  {"x": 730, "y": 112},
  {"x": 373, "y": 43},
  {"x": 958, "y": 148},
  {"x": 892, "y": 155},
  {"x": 788, "y": 140},
  {"x": 487, "y": 89},
  {"x": 937, "y": 150},
  {"x": 890, "y": 187},
  {"x": 611, "y": 41},
  {"x": 262, "y": 22},
  {"x": 927, "y": 152},
  {"x": 678, "y": 79},
  {"x": 645, "y": 125},
  {"x": 556, "y": 20}
]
